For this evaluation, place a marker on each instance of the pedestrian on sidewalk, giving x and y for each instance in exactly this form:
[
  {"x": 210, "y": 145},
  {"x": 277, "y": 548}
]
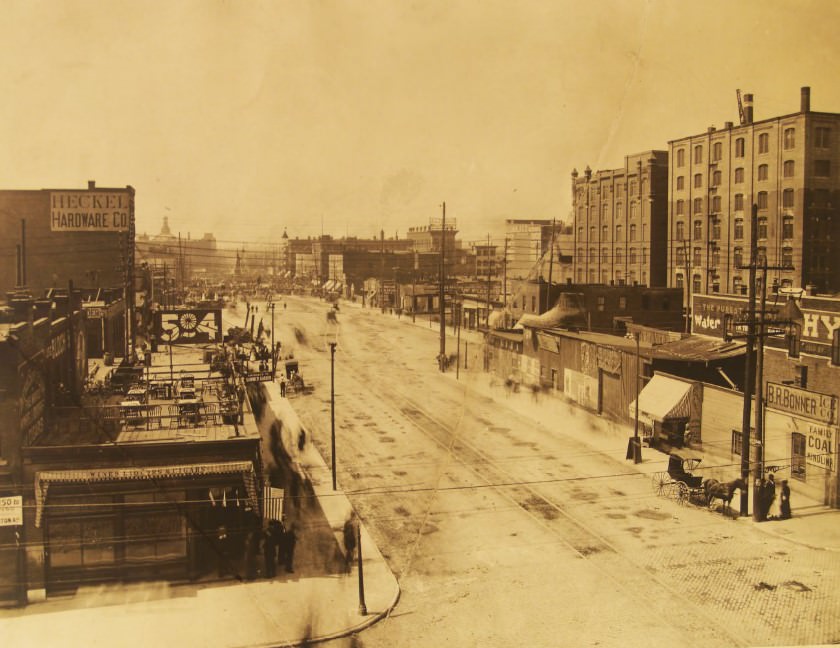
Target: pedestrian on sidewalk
[
  {"x": 222, "y": 550},
  {"x": 269, "y": 552},
  {"x": 349, "y": 541},
  {"x": 784, "y": 501},
  {"x": 770, "y": 497},
  {"x": 283, "y": 386},
  {"x": 252, "y": 550},
  {"x": 288, "y": 547}
]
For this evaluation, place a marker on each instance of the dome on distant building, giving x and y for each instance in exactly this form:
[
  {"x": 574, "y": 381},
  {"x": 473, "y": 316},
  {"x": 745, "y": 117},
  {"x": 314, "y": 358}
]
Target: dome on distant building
[{"x": 165, "y": 232}]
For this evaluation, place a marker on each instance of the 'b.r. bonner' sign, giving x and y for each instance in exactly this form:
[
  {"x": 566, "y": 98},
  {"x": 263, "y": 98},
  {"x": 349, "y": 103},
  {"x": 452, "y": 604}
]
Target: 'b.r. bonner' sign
[
  {"x": 802, "y": 403},
  {"x": 89, "y": 211}
]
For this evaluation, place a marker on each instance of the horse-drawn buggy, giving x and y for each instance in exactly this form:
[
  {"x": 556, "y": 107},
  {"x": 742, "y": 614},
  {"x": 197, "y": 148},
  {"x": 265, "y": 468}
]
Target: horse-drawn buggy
[{"x": 681, "y": 484}]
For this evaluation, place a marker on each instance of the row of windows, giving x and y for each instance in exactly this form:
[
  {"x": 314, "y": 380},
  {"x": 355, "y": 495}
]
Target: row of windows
[
  {"x": 632, "y": 256},
  {"x": 737, "y": 256},
  {"x": 619, "y": 232},
  {"x": 620, "y": 278},
  {"x": 716, "y": 204},
  {"x": 822, "y": 169},
  {"x": 822, "y": 139},
  {"x": 738, "y": 229}
]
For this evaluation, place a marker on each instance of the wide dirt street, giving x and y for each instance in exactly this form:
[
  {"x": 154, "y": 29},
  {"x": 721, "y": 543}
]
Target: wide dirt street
[{"x": 505, "y": 528}]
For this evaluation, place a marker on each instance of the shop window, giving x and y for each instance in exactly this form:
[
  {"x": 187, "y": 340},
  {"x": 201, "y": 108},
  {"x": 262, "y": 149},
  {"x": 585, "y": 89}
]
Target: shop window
[
  {"x": 797, "y": 456},
  {"x": 736, "y": 446},
  {"x": 84, "y": 542},
  {"x": 155, "y": 537}
]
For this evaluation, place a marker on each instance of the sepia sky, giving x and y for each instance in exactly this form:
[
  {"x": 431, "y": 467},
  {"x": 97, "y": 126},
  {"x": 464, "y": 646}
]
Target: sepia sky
[{"x": 241, "y": 118}]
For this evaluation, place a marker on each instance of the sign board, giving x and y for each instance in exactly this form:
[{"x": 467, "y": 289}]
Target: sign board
[
  {"x": 89, "y": 211},
  {"x": 189, "y": 326},
  {"x": 820, "y": 446},
  {"x": 96, "y": 312},
  {"x": 801, "y": 403},
  {"x": 261, "y": 376},
  {"x": 11, "y": 511}
]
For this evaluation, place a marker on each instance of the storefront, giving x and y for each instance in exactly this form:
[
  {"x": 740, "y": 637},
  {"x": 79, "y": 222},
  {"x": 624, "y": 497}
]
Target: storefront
[
  {"x": 128, "y": 523},
  {"x": 665, "y": 409}
]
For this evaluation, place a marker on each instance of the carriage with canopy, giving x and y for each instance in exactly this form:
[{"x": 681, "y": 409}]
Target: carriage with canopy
[{"x": 679, "y": 482}]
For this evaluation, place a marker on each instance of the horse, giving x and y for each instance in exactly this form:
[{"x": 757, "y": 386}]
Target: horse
[{"x": 723, "y": 491}]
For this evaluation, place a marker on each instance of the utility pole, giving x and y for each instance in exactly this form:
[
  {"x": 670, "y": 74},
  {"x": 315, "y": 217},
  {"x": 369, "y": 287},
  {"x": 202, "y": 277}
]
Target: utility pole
[
  {"x": 550, "y": 265},
  {"x": 362, "y": 606},
  {"x": 504, "y": 283},
  {"x": 23, "y": 251},
  {"x": 487, "y": 323},
  {"x": 382, "y": 270},
  {"x": 273, "y": 350},
  {"x": 332, "y": 410},
  {"x": 442, "y": 295},
  {"x": 688, "y": 285}
]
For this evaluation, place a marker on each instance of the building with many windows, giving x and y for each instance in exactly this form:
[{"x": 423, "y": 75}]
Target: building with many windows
[
  {"x": 620, "y": 223},
  {"x": 788, "y": 167}
]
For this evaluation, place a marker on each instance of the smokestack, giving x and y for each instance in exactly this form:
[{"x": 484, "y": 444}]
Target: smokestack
[
  {"x": 748, "y": 109},
  {"x": 805, "y": 99}
]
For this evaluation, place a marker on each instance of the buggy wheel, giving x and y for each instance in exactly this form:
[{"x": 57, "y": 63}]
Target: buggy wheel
[
  {"x": 660, "y": 482},
  {"x": 683, "y": 493}
]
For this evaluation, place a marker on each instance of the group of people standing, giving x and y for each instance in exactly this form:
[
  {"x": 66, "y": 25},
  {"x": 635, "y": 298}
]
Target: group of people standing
[
  {"x": 277, "y": 542},
  {"x": 767, "y": 497}
]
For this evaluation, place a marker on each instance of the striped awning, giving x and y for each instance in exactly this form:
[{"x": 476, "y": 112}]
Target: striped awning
[{"x": 44, "y": 478}]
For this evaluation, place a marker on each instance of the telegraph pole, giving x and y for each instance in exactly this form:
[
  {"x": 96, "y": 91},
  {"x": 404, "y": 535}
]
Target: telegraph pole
[
  {"x": 749, "y": 379},
  {"x": 273, "y": 350},
  {"x": 488, "y": 283},
  {"x": 442, "y": 295},
  {"x": 688, "y": 285},
  {"x": 504, "y": 284},
  {"x": 550, "y": 265}
]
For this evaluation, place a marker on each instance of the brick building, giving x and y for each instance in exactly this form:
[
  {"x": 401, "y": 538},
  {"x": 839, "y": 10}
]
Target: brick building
[
  {"x": 788, "y": 166},
  {"x": 620, "y": 223}
]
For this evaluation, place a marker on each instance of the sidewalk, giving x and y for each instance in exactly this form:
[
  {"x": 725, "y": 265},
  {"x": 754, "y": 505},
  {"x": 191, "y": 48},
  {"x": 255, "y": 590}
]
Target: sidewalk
[
  {"x": 813, "y": 524},
  {"x": 282, "y": 611}
]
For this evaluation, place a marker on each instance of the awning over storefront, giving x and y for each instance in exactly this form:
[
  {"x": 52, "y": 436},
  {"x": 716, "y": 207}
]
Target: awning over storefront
[
  {"x": 663, "y": 398},
  {"x": 44, "y": 478}
]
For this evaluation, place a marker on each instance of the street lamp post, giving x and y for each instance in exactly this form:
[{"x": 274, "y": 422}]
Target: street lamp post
[
  {"x": 362, "y": 606},
  {"x": 332, "y": 411},
  {"x": 634, "y": 445}
]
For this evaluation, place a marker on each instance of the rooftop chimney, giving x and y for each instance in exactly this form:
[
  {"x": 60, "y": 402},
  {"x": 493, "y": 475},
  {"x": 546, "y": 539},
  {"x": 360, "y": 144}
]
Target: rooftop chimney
[
  {"x": 748, "y": 109},
  {"x": 91, "y": 184},
  {"x": 727, "y": 125},
  {"x": 805, "y": 99}
]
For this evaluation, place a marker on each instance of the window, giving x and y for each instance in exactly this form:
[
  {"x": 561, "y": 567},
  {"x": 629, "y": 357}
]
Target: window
[
  {"x": 592, "y": 255},
  {"x": 618, "y": 256},
  {"x": 619, "y": 279},
  {"x": 680, "y": 157},
  {"x": 797, "y": 455},
  {"x": 633, "y": 209},
  {"x": 580, "y": 233},
  {"x": 715, "y": 257},
  {"x": 763, "y": 143},
  {"x": 680, "y": 183},
  {"x": 800, "y": 379},
  {"x": 632, "y": 256},
  {"x": 680, "y": 207},
  {"x": 739, "y": 147},
  {"x": 602, "y": 302},
  {"x": 633, "y": 232},
  {"x": 679, "y": 280},
  {"x": 762, "y": 227},
  {"x": 618, "y": 233},
  {"x": 787, "y": 198},
  {"x": 580, "y": 255},
  {"x": 736, "y": 445},
  {"x": 591, "y": 278},
  {"x": 579, "y": 279},
  {"x": 787, "y": 227},
  {"x": 762, "y": 200},
  {"x": 739, "y": 175},
  {"x": 716, "y": 178},
  {"x": 632, "y": 187},
  {"x": 605, "y": 276},
  {"x": 605, "y": 232},
  {"x": 698, "y": 259},
  {"x": 738, "y": 257},
  {"x": 717, "y": 151},
  {"x": 763, "y": 171},
  {"x": 822, "y": 137},
  {"x": 789, "y": 138},
  {"x": 605, "y": 255},
  {"x": 788, "y": 169},
  {"x": 631, "y": 278},
  {"x": 680, "y": 256},
  {"x": 761, "y": 255},
  {"x": 787, "y": 257},
  {"x": 592, "y": 233},
  {"x": 698, "y": 180},
  {"x": 698, "y": 154},
  {"x": 716, "y": 228},
  {"x": 739, "y": 202},
  {"x": 698, "y": 230},
  {"x": 822, "y": 168},
  {"x": 739, "y": 228},
  {"x": 716, "y": 204},
  {"x": 695, "y": 284},
  {"x": 698, "y": 205},
  {"x": 619, "y": 210},
  {"x": 737, "y": 285}
]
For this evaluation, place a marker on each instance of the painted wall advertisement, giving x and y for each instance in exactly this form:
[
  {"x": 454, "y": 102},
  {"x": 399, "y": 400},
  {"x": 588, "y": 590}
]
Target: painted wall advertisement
[
  {"x": 89, "y": 211},
  {"x": 811, "y": 414}
]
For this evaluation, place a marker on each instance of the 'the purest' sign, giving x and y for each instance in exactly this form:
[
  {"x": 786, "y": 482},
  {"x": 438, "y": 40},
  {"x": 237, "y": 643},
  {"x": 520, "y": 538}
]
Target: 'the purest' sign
[{"x": 89, "y": 211}]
